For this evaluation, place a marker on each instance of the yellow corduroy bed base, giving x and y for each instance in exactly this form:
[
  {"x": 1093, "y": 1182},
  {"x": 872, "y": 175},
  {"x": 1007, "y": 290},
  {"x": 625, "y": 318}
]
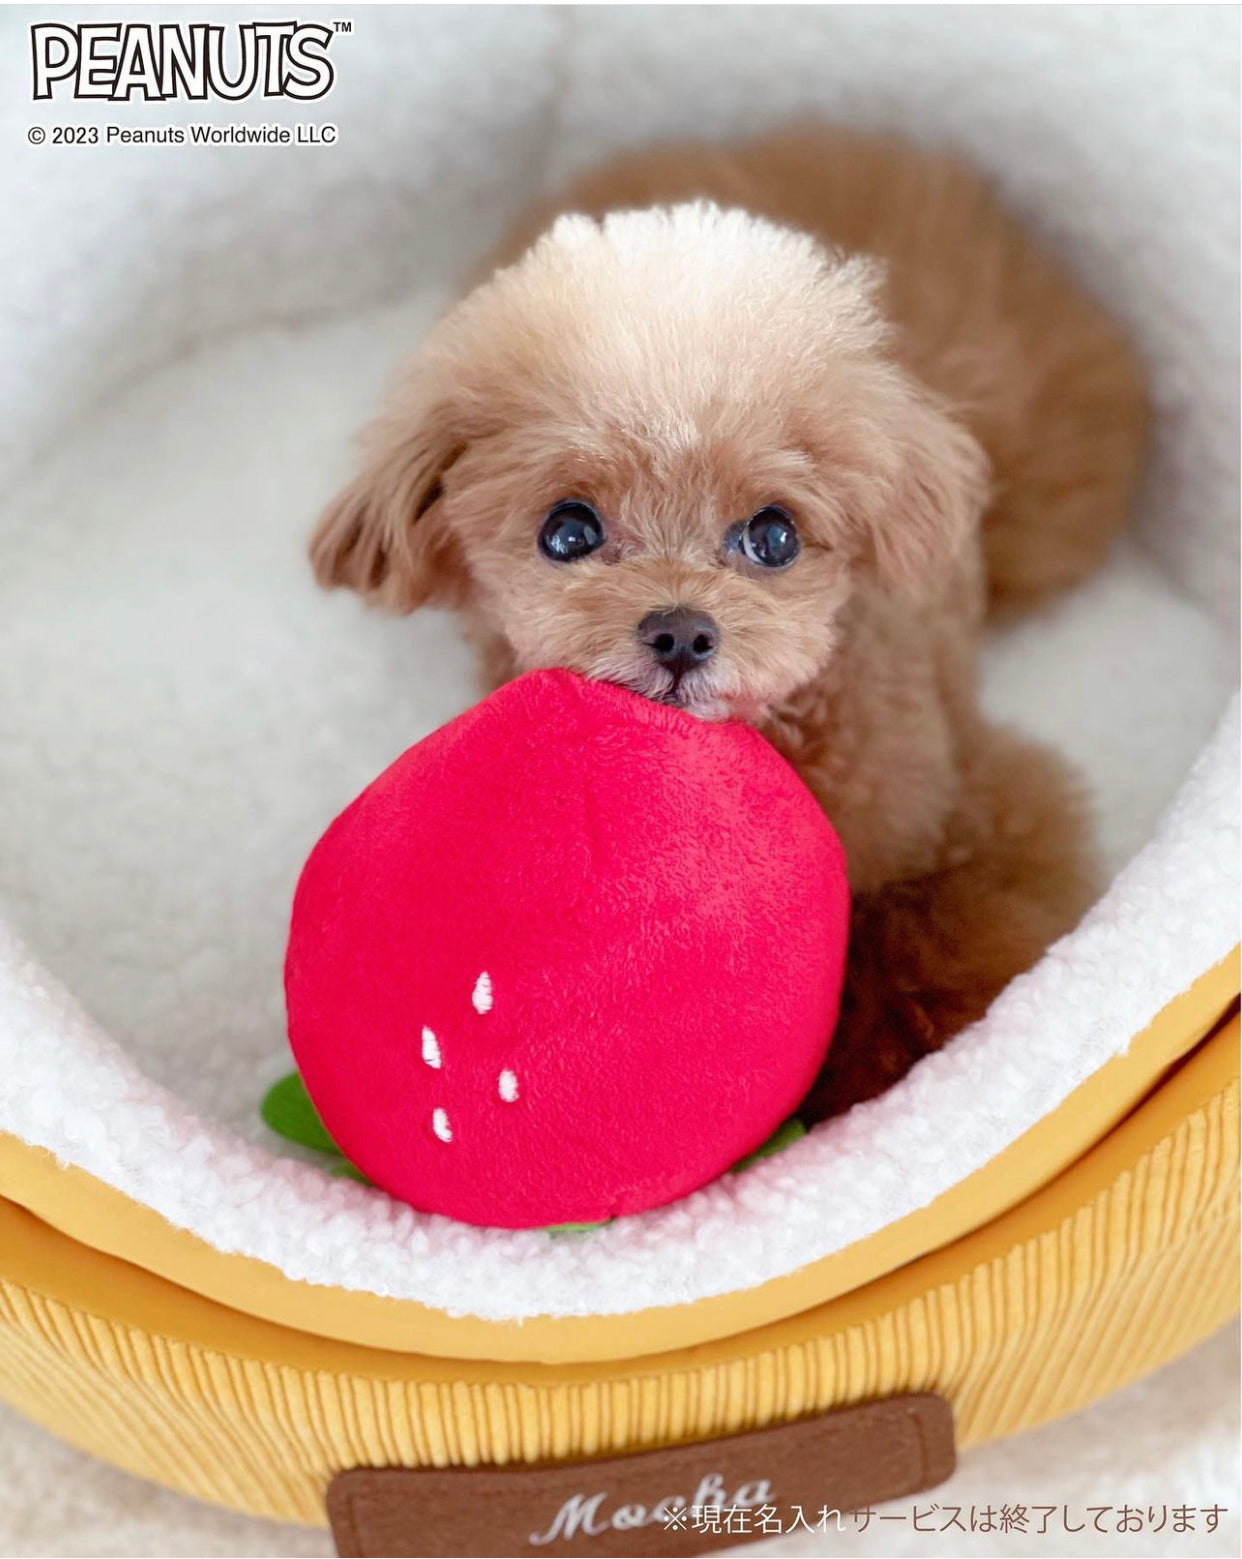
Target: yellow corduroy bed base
[{"x": 1122, "y": 1262}]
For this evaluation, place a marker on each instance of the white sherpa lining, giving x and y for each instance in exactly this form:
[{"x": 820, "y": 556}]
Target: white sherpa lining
[{"x": 191, "y": 336}]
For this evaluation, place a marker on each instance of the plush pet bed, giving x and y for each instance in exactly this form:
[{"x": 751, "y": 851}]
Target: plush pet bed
[{"x": 191, "y": 337}]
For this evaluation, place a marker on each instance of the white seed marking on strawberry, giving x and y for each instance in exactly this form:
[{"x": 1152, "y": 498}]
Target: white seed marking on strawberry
[
  {"x": 482, "y": 995},
  {"x": 508, "y": 1085},
  {"x": 440, "y": 1125},
  {"x": 431, "y": 1048}
]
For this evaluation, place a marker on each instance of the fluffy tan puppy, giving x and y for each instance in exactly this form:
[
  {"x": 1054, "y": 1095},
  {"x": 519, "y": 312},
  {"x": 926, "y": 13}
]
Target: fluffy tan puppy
[{"x": 771, "y": 441}]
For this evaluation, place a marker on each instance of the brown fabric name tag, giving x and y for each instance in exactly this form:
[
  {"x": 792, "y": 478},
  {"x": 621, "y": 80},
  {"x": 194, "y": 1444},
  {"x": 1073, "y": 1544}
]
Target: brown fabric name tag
[{"x": 684, "y": 1499}]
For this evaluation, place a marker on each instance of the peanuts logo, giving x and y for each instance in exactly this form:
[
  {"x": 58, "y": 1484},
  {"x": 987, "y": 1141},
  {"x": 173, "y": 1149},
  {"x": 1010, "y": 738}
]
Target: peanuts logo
[{"x": 124, "y": 62}]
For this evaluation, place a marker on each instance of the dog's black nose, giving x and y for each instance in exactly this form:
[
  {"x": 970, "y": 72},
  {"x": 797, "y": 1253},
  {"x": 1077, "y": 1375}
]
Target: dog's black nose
[{"x": 679, "y": 638}]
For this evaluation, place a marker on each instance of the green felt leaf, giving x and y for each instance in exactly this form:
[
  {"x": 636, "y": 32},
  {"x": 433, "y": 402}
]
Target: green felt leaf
[
  {"x": 288, "y": 1110},
  {"x": 783, "y": 1137},
  {"x": 575, "y": 1228}
]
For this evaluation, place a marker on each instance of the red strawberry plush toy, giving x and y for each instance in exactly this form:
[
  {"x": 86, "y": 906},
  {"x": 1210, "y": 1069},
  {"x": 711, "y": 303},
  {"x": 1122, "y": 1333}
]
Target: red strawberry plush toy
[{"x": 571, "y": 956}]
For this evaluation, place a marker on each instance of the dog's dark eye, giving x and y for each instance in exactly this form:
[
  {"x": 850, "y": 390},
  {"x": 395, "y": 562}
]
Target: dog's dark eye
[
  {"x": 572, "y": 530},
  {"x": 770, "y": 539}
]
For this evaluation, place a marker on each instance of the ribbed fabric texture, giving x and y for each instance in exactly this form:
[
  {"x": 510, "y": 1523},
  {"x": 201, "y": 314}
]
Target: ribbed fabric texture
[{"x": 1130, "y": 1279}]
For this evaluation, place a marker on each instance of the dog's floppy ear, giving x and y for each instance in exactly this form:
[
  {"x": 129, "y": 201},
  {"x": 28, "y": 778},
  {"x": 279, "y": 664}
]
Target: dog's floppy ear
[
  {"x": 938, "y": 489},
  {"x": 382, "y": 535}
]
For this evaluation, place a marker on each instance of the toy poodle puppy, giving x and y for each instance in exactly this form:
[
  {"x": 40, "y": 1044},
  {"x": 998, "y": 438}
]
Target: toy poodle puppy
[{"x": 768, "y": 432}]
